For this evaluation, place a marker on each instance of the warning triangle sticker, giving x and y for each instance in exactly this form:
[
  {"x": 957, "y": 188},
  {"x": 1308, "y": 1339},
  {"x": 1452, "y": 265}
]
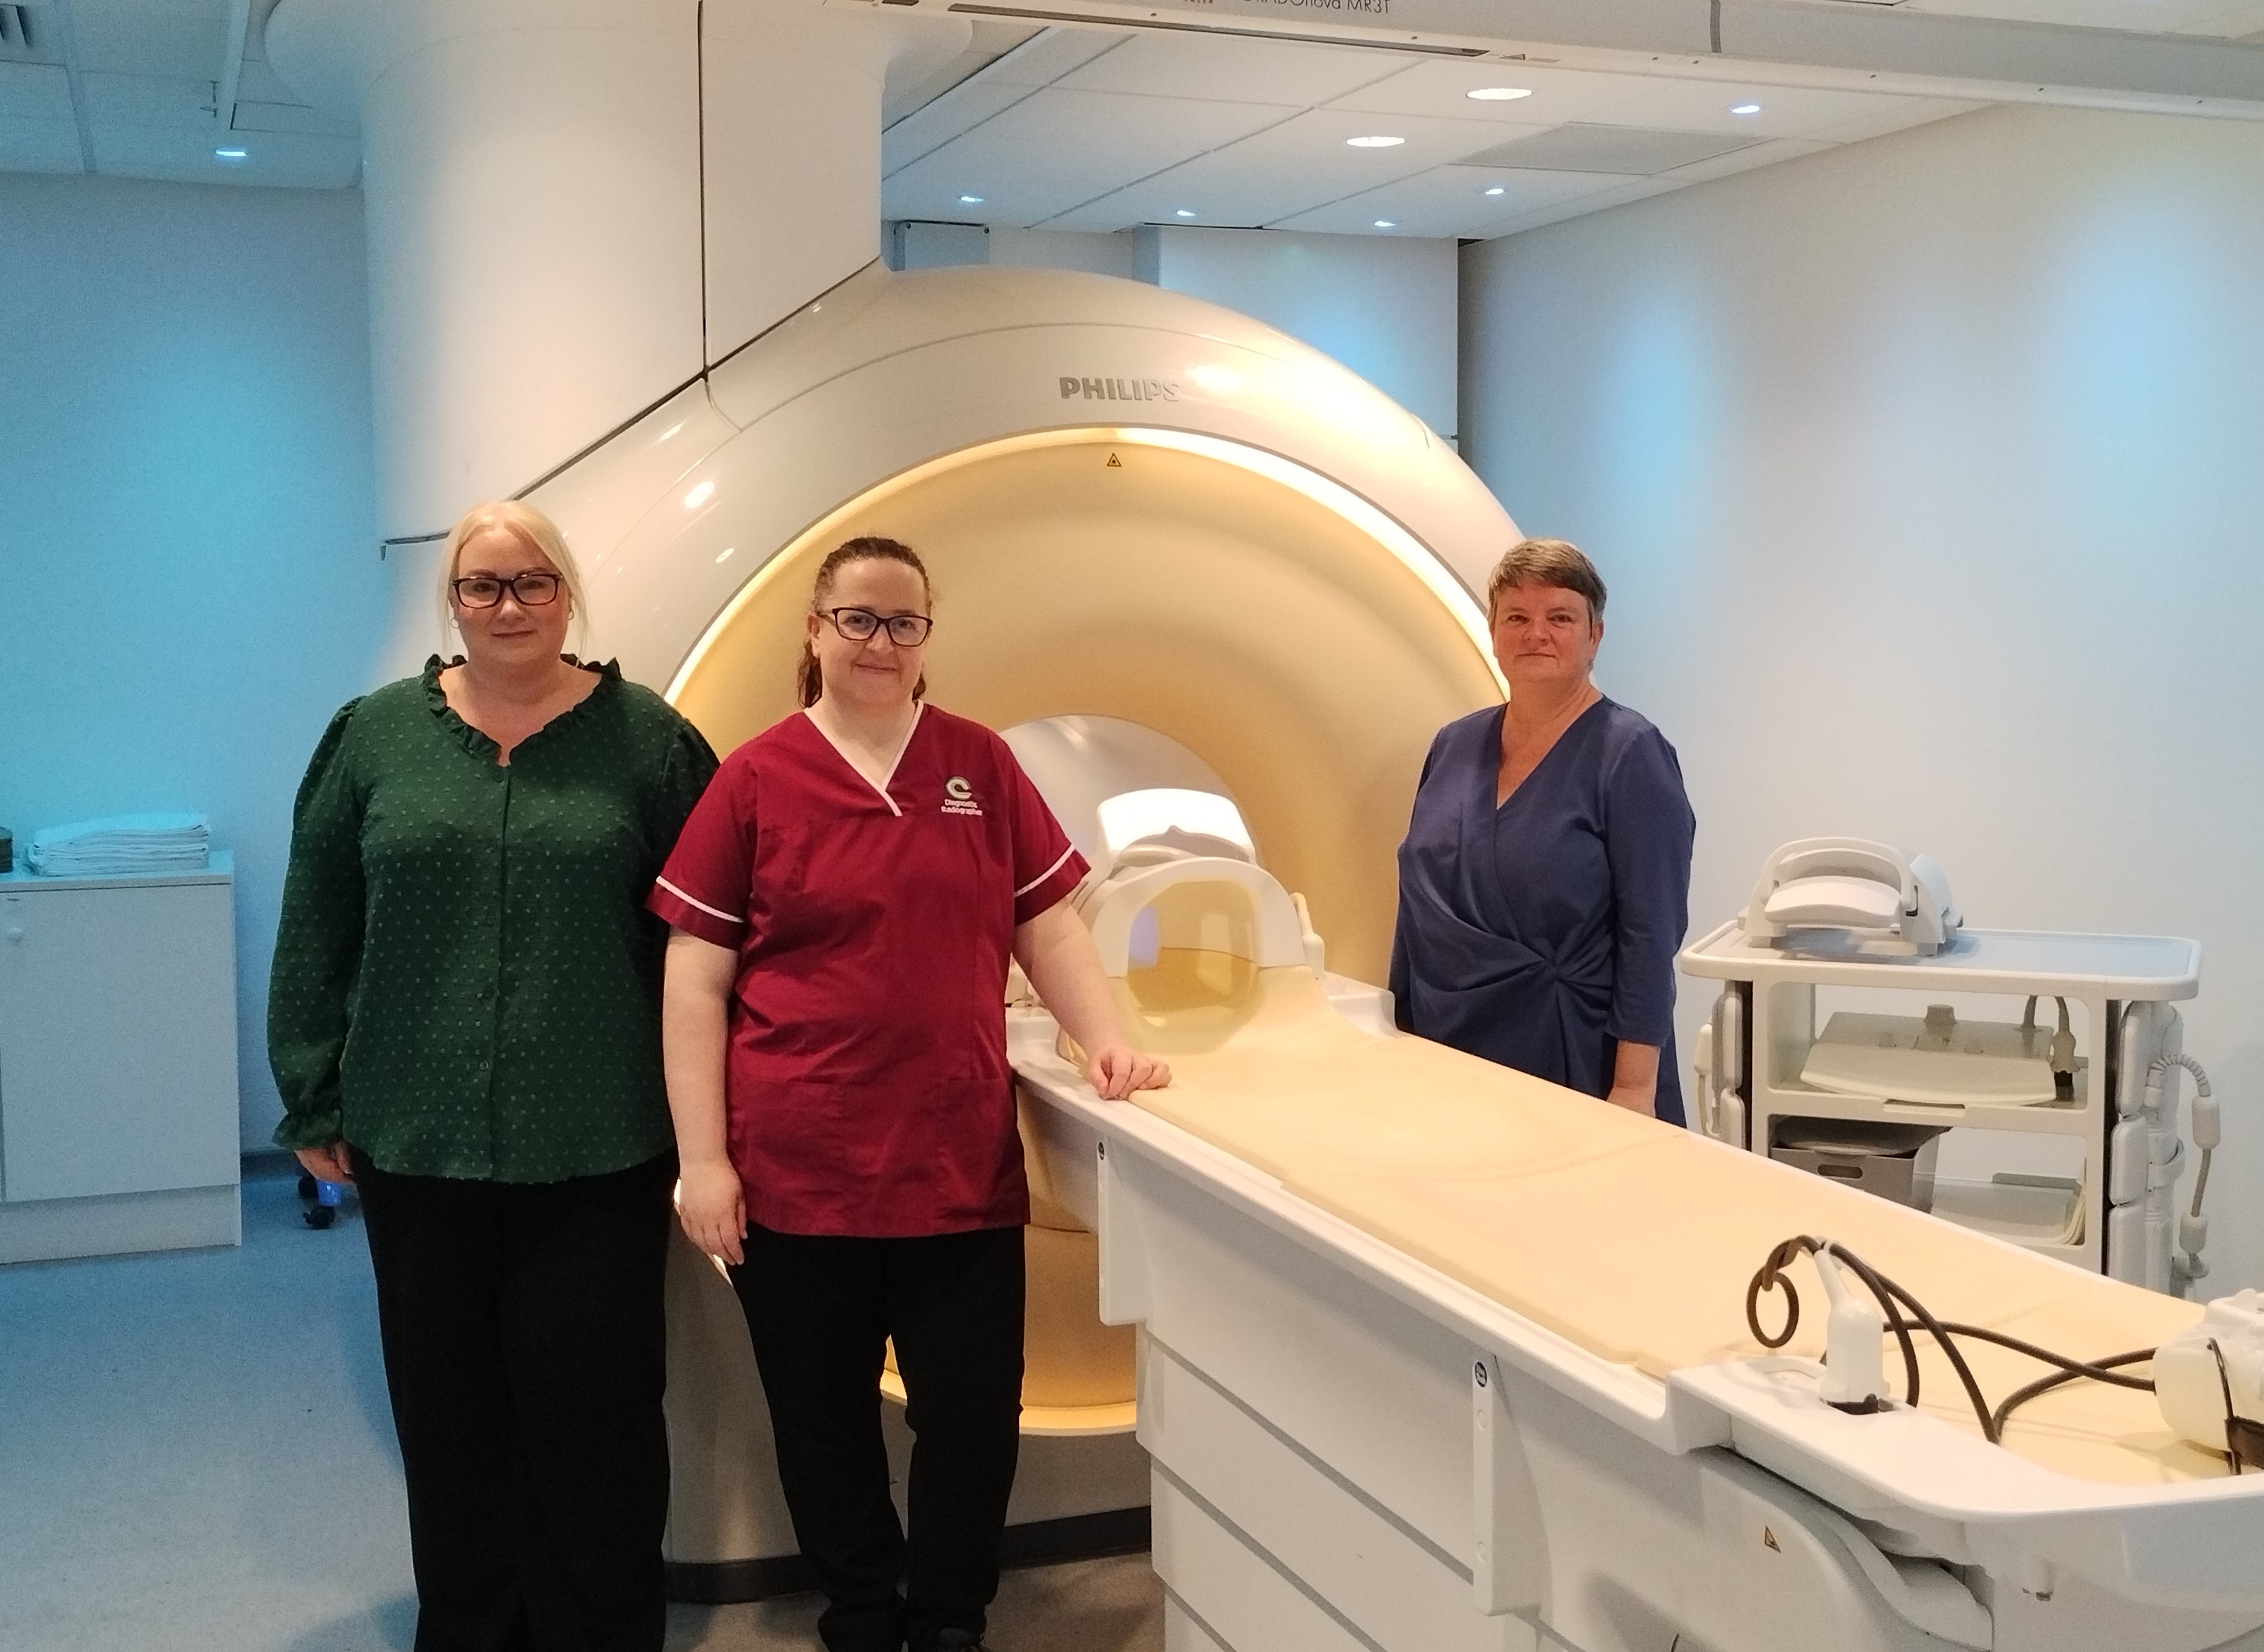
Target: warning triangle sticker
[{"x": 1115, "y": 463}]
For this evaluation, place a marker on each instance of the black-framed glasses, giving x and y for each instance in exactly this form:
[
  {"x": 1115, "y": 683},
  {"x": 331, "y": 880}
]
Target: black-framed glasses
[
  {"x": 484, "y": 590},
  {"x": 860, "y": 625}
]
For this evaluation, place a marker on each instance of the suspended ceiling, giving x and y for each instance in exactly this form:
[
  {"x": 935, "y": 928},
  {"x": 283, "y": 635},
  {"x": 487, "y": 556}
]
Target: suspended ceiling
[{"x": 1090, "y": 127}]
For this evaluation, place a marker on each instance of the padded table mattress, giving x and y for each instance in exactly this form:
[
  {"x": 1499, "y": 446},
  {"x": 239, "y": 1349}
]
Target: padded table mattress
[{"x": 1631, "y": 1238}]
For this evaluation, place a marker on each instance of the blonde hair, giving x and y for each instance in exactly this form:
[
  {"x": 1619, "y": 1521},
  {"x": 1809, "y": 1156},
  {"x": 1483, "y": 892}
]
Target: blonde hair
[
  {"x": 532, "y": 529},
  {"x": 1557, "y": 562}
]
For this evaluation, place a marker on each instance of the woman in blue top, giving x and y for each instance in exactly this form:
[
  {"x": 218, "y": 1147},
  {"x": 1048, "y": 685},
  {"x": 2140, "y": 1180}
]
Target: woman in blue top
[{"x": 1544, "y": 882}]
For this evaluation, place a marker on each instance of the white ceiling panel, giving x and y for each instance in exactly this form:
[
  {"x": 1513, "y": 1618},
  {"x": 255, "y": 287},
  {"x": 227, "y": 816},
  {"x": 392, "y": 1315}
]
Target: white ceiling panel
[
  {"x": 965, "y": 106},
  {"x": 34, "y": 91},
  {"x": 1442, "y": 88},
  {"x": 1634, "y": 189},
  {"x": 39, "y": 146},
  {"x": 1056, "y": 149},
  {"x": 1224, "y": 66},
  {"x": 148, "y": 100},
  {"x": 151, "y": 37},
  {"x": 1294, "y": 167},
  {"x": 2144, "y": 16},
  {"x": 1451, "y": 201},
  {"x": 272, "y": 117},
  {"x": 298, "y": 160},
  {"x": 1786, "y": 112},
  {"x": 1046, "y": 58}
]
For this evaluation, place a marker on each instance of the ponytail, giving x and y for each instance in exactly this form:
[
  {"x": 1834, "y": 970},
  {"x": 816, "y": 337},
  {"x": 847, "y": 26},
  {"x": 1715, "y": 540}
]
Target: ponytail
[{"x": 808, "y": 683}]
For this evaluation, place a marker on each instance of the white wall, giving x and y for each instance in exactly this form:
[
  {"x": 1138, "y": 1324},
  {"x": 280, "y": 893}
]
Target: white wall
[
  {"x": 1928, "y": 478},
  {"x": 189, "y": 583},
  {"x": 1382, "y": 306}
]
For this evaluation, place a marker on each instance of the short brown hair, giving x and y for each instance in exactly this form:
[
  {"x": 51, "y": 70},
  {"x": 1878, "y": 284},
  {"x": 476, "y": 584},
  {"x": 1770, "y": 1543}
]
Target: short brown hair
[{"x": 1557, "y": 562}]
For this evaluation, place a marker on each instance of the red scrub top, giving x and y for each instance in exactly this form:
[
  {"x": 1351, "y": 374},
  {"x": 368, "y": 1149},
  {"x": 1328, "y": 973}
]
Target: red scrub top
[{"x": 867, "y": 1085}]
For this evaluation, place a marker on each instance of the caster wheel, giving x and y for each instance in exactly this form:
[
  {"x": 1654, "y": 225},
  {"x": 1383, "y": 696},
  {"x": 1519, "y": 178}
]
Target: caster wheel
[
  {"x": 322, "y": 1217},
  {"x": 306, "y": 1185}
]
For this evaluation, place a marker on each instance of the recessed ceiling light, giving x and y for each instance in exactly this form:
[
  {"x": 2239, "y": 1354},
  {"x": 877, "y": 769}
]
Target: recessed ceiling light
[
  {"x": 1496, "y": 190},
  {"x": 1499, "y": 94},
  {"x": 971, "y": 200},
  {"x": 1377, "y": 142},
  {"x": 1744, "y": 109},
  {"x": 1387, "y": 223},
  {"x": 229, "y": 154},
  {"x": 1183, "y": 212}
]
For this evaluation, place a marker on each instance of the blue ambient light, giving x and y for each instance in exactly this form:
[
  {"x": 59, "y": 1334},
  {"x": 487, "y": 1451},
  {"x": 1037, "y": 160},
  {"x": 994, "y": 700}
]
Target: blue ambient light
[
  {"x": 971, "y": 200},
  {"x": 230, "y": 154}
]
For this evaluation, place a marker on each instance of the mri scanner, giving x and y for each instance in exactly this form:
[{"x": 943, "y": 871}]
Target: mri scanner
[{"x": 1407, "y": 1352}]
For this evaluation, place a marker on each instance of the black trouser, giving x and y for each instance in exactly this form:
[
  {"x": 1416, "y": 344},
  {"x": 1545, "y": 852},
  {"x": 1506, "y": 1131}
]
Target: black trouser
[
  {"x": 819, "y": 1309},
  {"x": 525, "y": 1352}
]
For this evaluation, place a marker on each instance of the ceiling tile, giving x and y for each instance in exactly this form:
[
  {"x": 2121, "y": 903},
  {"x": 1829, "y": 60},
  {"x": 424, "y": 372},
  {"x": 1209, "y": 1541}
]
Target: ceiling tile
[
  {"x": 151, "y": 37},
  {"x": 963, "y": 107},
  {"x": 274, "y": 117},
  {"x": 1745, "y": 160},
  {"x": 1223, "y": 66},
  {"x": 1442, "y": 89},
  {"x": 1057, "y": 148},
  {"x": 1451, "y": 201},
  {"x": 1301, "y": 163},
  {"x": 1634, "y": 150},
  {"x": 1634, "y": 189},
  {"x": 148, "y": 100},
  {"x": 2148, "y": 17},
  {"x": 39, "y": 146},
  {"x": 1046, "y": 58},
  {"x": 298, "y": 160},
  {"x": 35, "y": 91},
  {"x": 1705, "y": 106}
]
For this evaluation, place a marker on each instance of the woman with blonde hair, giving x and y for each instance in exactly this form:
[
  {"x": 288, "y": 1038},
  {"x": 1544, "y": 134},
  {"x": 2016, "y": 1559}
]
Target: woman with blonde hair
[{"x": 464, "y": 1021}]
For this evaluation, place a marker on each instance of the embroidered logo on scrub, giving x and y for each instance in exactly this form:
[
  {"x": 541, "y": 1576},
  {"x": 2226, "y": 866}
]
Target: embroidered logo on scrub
[{"x": 959, "y": 797}]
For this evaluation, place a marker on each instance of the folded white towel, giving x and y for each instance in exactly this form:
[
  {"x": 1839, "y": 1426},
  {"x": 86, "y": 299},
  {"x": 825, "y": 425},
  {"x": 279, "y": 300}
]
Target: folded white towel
[{"x": 121, "y": 843}]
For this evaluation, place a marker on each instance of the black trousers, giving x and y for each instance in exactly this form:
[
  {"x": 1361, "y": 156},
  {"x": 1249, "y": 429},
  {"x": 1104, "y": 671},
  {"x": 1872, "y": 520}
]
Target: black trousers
[
  {"x": 526, "y": 1352},
  {"x": 819, "y": 1310}
]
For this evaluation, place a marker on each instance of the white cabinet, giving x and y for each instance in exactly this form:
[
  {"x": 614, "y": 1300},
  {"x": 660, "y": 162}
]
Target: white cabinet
[{"x": 118, "y": 1085}]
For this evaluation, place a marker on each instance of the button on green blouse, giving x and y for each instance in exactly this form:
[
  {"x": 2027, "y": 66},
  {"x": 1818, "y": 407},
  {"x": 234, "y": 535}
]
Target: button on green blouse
[{"x": 467, "y": 983}]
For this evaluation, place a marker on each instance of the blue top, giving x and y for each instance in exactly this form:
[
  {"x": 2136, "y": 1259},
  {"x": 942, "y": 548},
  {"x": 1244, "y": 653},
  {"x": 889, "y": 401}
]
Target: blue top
[{"x": 1540, "y": 933}]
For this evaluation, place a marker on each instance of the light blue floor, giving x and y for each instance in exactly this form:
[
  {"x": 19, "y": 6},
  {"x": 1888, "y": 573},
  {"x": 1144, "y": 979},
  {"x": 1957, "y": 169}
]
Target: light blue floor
[
  {"x": 195, "y": 1454},
  {"x": 195, "y": 1448}
]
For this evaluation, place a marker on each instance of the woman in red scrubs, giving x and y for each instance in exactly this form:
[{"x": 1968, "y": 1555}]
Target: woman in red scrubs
[{"x": 843, "y": 902}]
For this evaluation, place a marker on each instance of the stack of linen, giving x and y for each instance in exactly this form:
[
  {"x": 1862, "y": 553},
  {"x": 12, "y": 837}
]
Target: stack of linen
[{"x": 121, "y": 845}]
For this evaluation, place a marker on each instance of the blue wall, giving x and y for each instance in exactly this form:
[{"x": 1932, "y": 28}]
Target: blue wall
[{"x": 189, "y": 584}]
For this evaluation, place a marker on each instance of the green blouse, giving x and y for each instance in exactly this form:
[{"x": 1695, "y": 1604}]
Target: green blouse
[{"x": 467, "y": 982}]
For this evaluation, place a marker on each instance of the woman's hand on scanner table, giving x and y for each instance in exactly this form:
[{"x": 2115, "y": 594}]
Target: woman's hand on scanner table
[
  {"x": 326, "y": 1163},
  {"x": 713, "y": 1208},
  {"x": 1116, "y": 1070}
]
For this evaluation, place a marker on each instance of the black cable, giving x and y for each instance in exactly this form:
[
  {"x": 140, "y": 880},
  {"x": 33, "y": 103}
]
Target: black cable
[
  {"x": 2097, "y": 1371},
  {"x": 1890, "y": 1295}
]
